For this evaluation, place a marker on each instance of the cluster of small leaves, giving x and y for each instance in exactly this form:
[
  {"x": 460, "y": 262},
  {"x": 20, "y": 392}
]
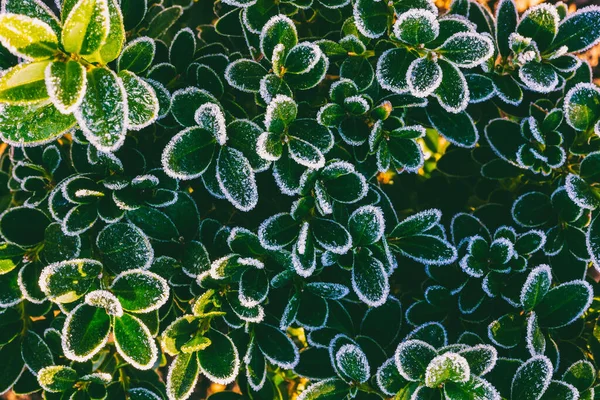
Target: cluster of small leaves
[{"x": 311, "y": 199}]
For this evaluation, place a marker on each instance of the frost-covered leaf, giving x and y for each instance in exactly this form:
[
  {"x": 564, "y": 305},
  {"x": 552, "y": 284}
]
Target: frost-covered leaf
[
  {"x": 328, "y": 389},
  {"x": 219, "y": 362},
  {"x": 331, "y": 235},
  {"x": 506, "y": 24},
  {"x": 142, "y": 103},
  {"x": 539, "y": 77},
  {"x": 540, "y": 23},
  {"x": 532, "y": 379},
  {"x": 140, "y": 291},
  {"x": 182, "y": 376},
  {"x": 535, "y": 287},
  {"x": 580, "y": 374},
  {"x": 281, "y": 112},
  {"x": 134, "y": 342},
  {"x": 27, "y": 37},
  {"x": 579, "y": 31},
  {"x": 416, "y": 27},
  {"x": 371, "y": 17},
  {"x": 86, "y": 27},
  {"x": 453, "y": 92},
  {"x": 467, "y": 49},
  {"x": 124, "y": 247},
  {"x": 481, "y": 358},
  {"x": 57, "y": 378},
  {"x": 137, "y": 55},
  {"x": 369, "y": 280},
  {"x": 423, "y": 77},
  {"x": 352, "y": 363},
  {"x": 85, "y": 332},
  {"x": 236, "y": 179},
  {"x": 66, "y": 83},
  {"x": 245, "y": 75},
  {"x": 459, "y": 128},
  {"x": 582, "y": 106},
  {"x": 392, "y": 68},
  {"x": 35, "y": 352},
  {"x": 412, "y": 359},
  {"x": 366, "y": 225},
  {"x": 564, "y": 303},
  {"x": 102, "y": 114},
  {"x": 447, "y": 367},
  {"x": 24, "y": 84},
  {"x": 279, "y": 30}
]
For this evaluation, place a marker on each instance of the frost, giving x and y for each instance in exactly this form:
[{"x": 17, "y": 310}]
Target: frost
[
  {"x": 251, "y": 262},
  {"x": 447, "y": 367},
  {"x": 323, "y": 201},
  {"x": 210, "y": 117},
  {"x": 529, "y": 335},
  {"x": 262, "y": 149},
  {"x": 105, "y": 299}
]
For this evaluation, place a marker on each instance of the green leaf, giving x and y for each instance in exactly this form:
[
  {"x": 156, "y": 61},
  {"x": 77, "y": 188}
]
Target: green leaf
[
  {"x": 124, "y": 247},
  {"x": 10, "y": 255},
  {"x": 33, "y": 125},
  {"x": 182, "y": 49},
  {"x": 57, "y": 378},
  {"x": 279, "y": 30},
  {"x": 276, "y": 346},
  {"x": 281, "y": 112},
  {"x": 459, "y": 129},
  {"x": 392, "y": 69},
  {"x": 331, "y": 235},
  {"x": 412, "y": 358},
  {"x": 245, "y": 75},
  {"x": 134, "y": 342},
  {"x": 416, "y": 27},
  {"x": 25, "y": 235},
  {"x": 417, "y": 223},
  {"x": 481, "y": 358},
  {"x": 142, "y": 103},
  {"x": 236, "y": 179},
  {"x": 189, "y": 153},
  {"x": 560, "y": 390},
  {"x": 35, "y": 352},
  {"x": 24, "y": 84},
  {"x": 352, "y": 363},
  {"x": 582, "y": 106},
  {"x": 369, "y": 280},
  {"x": 453, "y": 93},
  {"x": 371, "y": 17},
  {"x": 137, "y": 56},
  {"x": 580, "y": 374},
  {"x": 506, "y": 24},
  {"x": 140, "y": 291},
  {"x": 532, "y": 379},
  {"x": 219, "y": 362},
  {"x": 579, "y": 31},
  {"x": 302, "y": 58},
  {"x": 474, "y": 388},
  {"x": 505, "y": 331},
  {"x": 65, "y": 82},
  {"x": 163, "y": 21},
  {"x": 535, "y": 287},
  {"x": 102, "y": 113},
  {"x": 423, "y": 77},
  {"x": 186, "y": 102},
  {"x": 27, "y": 37},
  {"x": 426, "y": 249},
  {"x": 278, "y": 231},
  {"x": 467, "y": 49},
  {"x": 85, "y": 332},
  {"x": 504, "y": 136},
  {"x": 115, "y": 39},
  {"x": 532, "y": 209},
  {"x": 86, "y": 27},
  {"x": 366, "y": 225},
  {"x": 564, "y": 303},
  {"x": 183, "y": 375}
]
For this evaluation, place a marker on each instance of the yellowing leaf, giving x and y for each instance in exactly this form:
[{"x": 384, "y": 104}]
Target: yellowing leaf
[
  {"x": 86, "y": 28},
  {"x": 24, "y": 84},
  {"x": 27, "y": 37}
]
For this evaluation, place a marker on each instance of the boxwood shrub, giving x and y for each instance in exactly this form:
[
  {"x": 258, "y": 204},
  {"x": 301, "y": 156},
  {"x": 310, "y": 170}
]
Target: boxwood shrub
[{"x": 298, "y": 199}]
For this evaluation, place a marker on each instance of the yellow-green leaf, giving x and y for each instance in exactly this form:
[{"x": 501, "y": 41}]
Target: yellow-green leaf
[
  {"x": 86, "y": 28},
  {"x": 115, "y": 39},
  {"x": 27, "y": 37},
  {"x": 24, "y": 84}
]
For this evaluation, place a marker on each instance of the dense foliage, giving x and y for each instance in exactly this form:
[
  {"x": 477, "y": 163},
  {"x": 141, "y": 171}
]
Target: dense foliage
[{"x": 327, "y": 199}]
